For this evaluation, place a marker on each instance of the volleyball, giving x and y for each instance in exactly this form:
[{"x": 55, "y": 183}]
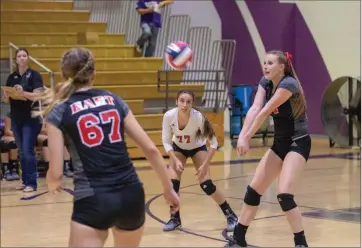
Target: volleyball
[{"x": 179, "y": 55}]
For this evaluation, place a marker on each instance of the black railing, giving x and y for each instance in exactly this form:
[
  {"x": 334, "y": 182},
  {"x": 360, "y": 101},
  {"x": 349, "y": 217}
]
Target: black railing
[{"x": 214, "y": 81}]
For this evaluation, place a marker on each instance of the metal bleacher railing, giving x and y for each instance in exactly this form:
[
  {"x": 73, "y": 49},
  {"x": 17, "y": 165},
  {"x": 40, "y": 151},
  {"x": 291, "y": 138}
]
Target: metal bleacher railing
[{"x": 213, "y": 60}]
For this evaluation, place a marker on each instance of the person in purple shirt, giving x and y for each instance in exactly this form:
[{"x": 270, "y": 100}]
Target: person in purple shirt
[{"x": 150, "y": 23}]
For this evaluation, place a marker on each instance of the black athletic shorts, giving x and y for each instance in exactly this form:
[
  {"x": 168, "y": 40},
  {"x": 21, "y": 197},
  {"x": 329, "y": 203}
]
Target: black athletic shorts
[
  {"x": 188, "y": 153},
  {"x": 282, "y": 147},
  {"x": 7, "y": 146},
  {"x": 124, "y": 209}
]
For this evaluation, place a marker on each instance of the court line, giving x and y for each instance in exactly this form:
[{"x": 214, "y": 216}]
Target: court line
[
  {"x": 230, "y": 162},
  {"x": 149, "y": 212},
  {"x": 247, "y": 161},
  {"x": 312, "y": 209},
  {"x": 256, "y": 160},
  {"x": 224, "y": 233}
]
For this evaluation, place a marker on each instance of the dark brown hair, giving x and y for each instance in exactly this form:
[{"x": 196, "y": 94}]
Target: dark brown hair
[
  {"x": 20, "y": 49},
  {"x": 298, "y": 102},
  {"x": 208, "y": 130},
  {"x": 77, "y": 67}
]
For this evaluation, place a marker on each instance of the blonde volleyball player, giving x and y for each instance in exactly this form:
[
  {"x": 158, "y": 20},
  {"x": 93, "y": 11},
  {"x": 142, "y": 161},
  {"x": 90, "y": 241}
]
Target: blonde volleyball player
[{"x": 190, "y": 130}]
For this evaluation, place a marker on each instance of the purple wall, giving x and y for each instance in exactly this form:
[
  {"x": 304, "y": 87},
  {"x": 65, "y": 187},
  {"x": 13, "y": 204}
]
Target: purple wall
[{"x": 281, "y": 26}]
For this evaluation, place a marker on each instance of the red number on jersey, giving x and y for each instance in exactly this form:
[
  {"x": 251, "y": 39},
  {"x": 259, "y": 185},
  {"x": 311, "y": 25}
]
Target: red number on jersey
[
  {"x": 186, "y": 137},
  {"x": 92, "y": 134},
  {"x": 112, "y": 116}
]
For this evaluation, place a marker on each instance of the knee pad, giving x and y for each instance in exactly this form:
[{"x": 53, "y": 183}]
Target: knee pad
[
  {"x": 45, "y": 143},
  {"x": 12, "y": 145},
  {"x": 252, "y": 197},
  {"x": 208, "y": 187},
  {"x": 176, "y": 185},
  {"x": 286, "y": 201}
]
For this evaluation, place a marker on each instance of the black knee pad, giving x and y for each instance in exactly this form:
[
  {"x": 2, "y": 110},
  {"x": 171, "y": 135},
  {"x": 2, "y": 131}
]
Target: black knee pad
[
  {"x": 252, "y": 197},
  {"x": 286, "y": 201},
  {"x": 208, "y": 187},
  {"x": 176, "y": 185},
  {"x": 45, "y": 143},
  {"x": 12, "y": 145}
]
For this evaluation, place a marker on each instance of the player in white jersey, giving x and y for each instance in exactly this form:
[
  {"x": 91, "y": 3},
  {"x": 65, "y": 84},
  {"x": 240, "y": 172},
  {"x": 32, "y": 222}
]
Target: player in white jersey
[{"x": 184, "y": 134}]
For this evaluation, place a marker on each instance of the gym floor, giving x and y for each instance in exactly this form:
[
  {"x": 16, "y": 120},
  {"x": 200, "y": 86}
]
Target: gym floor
[{"x": 328, "y": 194}]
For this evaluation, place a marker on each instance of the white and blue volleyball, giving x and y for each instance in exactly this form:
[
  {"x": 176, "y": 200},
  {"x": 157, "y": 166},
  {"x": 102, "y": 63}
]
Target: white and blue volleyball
[{"x": 179, "y": 55}]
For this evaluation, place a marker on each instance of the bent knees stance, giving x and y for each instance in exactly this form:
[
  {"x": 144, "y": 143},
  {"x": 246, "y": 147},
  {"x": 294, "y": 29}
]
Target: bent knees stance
[
  {"x": 252, "y": 197},
  {"x": 208, "y": 187},
  {"x": 286, "y": 201}
]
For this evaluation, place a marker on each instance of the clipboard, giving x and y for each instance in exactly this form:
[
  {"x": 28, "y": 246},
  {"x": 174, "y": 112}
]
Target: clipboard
[{"x": 12, "y": 93}]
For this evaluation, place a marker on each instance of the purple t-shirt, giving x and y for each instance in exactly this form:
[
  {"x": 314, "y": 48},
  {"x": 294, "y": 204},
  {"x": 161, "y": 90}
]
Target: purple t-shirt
[{"x": 153, "y": 18}]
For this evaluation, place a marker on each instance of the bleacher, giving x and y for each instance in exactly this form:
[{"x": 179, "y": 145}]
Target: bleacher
[{"x": 109, "y": 29}]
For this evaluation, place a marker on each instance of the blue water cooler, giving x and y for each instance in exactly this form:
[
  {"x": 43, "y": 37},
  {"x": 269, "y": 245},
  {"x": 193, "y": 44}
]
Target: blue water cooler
[{"x": 240, "y": 105}]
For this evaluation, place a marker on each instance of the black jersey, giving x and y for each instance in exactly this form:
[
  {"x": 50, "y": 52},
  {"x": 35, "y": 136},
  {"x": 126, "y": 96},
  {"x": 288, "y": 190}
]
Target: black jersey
[
  {"x": 93, "y": 128},
  {"x": 285, "y": 125},
  {"x": 30, "y": 81}
]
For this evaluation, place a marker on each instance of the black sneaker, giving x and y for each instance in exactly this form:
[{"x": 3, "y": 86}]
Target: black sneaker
[{"x": 232, "y": 242}]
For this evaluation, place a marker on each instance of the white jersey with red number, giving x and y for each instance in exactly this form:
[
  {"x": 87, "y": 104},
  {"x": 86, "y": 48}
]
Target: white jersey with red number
[{"x": 186, "y": 138}]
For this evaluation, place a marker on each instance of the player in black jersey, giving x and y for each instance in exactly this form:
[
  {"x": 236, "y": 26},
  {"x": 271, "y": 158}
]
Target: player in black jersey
[
  {"x": 290, "y": 150},
  {"x": 92, "y": 123}
]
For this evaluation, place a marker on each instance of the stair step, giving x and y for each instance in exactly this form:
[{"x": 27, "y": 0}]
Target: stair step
[
  {"x": 58, "y": 38},
  {"x": 155, "y": 136},
  {"x": 10, "y": 27},
  {"x": 36, "y": 5},
  {"x": 150, "y": 121},
  {"x": 44, "y": 15},
  {"x": 55, "y": 52},
  {"x": 130, "y": 92},
  {"x": 123, "y": 77},
  {"x": 136, "y": 153},
  {"x": 109, "y": 64},
  {"x": 137, "y": 106}
]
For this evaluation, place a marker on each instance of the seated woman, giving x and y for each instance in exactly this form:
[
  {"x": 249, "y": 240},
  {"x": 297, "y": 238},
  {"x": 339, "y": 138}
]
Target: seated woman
[
  {"x": 43, "y": 165},
  {"x": 9, "y": 153}
]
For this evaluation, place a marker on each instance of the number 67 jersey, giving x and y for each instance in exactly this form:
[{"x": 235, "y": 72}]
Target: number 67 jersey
[{"x": 93, "y": 128}]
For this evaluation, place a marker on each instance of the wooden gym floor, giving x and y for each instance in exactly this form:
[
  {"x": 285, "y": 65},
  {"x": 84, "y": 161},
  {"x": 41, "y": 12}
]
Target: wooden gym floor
[{"x": 328, "y": 195}]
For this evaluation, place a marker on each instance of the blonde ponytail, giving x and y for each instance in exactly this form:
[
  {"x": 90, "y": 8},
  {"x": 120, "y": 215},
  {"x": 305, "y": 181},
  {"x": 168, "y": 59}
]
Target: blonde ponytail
[
  {"x": 78, "y": 67},
  {"x": 51, "y": 97}
]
